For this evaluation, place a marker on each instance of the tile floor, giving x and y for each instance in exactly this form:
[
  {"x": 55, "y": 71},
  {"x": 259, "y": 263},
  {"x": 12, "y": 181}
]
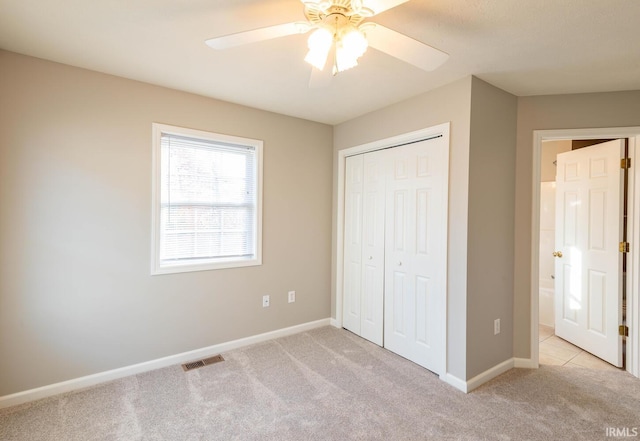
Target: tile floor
[{"x": 556, "y": 351}]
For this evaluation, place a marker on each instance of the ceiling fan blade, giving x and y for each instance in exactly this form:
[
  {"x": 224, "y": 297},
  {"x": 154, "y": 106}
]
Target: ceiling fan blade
[
  {"x": 405, "y": 48},
  {"x": 256, "y": 35},
  {"x": 378, "y": 6}
]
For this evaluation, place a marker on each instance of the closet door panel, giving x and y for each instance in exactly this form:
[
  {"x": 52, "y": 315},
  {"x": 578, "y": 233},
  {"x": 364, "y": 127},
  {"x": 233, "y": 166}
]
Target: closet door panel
[
  {"x": 431, "y": 186},
  {"x": 399, "y": 291},
  {"x": 421, "y": 254},
  {"x": 352, "y": 288},
  {"x": 372, "y": 323}
]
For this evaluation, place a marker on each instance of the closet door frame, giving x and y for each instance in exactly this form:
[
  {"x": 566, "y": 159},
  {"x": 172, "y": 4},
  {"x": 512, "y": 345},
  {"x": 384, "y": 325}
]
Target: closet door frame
[{"x": 441, "y": 130}]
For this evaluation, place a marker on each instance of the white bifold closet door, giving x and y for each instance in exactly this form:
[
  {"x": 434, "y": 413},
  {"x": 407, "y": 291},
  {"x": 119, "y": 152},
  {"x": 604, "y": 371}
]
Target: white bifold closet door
[
  {"x": 396, "y": 249},
  {"x": 364, "y": 245}
]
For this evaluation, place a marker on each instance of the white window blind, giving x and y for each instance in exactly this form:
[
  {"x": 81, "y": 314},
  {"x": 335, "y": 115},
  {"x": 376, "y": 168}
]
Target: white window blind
[{"x": 208, "y": 203}]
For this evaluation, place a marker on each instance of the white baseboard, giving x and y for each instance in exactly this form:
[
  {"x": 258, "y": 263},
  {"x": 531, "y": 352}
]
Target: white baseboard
[
  {"x": 489, "y": 374},
  {"x": 455, "y": 382},
  {"x": 102, "y": 377},
  {"x": 480, "y": 379},
  {"x": 334, "y": 323}
]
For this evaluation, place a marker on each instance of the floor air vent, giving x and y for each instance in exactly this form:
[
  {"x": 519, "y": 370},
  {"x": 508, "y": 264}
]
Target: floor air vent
[{"x": 200, "y": 363}]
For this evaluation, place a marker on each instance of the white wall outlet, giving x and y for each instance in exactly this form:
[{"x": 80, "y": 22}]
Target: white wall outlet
[
  {"x": 265, "y": 301},
  {"x": 496, "y": 327},
  {"x": 292, "y": 296}
]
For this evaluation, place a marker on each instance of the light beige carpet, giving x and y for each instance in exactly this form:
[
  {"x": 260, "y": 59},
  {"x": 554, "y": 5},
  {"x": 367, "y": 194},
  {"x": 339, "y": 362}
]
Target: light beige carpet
[{"x": 328, "y": 384}]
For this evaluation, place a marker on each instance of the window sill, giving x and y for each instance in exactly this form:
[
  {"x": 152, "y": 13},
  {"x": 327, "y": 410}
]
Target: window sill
[{"x": 159, "y": 269}]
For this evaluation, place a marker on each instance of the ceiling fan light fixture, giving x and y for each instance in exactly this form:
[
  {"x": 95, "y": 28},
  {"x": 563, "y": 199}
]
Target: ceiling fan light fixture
[
  {"x": 319, "y": 43},
  {"x": 349, "y": 48},
  {"x": 355, "y": 43},
  {"x": 343, "y": 61}
]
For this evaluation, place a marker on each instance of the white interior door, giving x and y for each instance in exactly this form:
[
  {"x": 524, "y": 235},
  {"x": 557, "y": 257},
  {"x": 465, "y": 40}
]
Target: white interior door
[
  {"x": 352, "y": 298},
  {"x": 416, "y": 252},
  {"x": 588, "y": 261}
]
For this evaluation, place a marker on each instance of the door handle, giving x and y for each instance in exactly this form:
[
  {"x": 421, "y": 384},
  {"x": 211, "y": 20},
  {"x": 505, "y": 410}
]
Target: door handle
[{"x": 557, "y": 254}]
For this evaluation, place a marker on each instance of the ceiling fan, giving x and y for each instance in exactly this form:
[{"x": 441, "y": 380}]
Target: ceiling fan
[{"x": 341, "y": 35}]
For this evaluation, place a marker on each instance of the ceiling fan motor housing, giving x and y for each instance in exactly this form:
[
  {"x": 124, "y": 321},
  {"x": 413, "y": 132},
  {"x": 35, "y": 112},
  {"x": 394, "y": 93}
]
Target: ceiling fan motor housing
[{"x": 338, "y": 15}]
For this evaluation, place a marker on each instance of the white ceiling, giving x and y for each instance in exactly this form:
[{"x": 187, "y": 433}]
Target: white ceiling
[{"x": 526, "y": 47}]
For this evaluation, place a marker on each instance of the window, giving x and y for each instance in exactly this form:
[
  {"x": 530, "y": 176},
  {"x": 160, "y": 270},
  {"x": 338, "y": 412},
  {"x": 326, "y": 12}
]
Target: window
[{"x": 207, "y": 196}]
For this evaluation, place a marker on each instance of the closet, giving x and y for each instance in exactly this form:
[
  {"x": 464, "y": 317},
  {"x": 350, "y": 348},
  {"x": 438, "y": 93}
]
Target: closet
[{"x": 395, "y": 249}]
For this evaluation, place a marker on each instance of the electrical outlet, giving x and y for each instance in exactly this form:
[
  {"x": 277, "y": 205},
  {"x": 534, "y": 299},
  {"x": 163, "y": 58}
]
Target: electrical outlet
[
  {"x": 496, "y": 327},
  {"x": 265, "y": 301},
  {"x": 292, "y": 296}
]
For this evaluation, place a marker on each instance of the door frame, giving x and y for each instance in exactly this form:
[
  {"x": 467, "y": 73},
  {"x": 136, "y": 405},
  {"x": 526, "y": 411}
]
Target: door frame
[
  {"x": 633, "y": 284},
  {"x": 442, "y": 130}
]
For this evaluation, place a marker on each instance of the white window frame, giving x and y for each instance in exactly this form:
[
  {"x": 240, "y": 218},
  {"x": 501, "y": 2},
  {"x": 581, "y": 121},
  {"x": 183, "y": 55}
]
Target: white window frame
[{"x": 157, "y": 266}]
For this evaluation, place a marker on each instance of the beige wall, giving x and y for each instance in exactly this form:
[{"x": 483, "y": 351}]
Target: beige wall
[
  {"x": 76, "y": 296},
  {"x": 491, "y": 227},
  {"x": 594, "y": 110}
]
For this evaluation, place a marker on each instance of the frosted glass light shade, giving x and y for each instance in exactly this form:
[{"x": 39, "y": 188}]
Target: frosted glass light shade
[
  {"x": 351, "y": 46},
  {"x": 319, "y": 45}
]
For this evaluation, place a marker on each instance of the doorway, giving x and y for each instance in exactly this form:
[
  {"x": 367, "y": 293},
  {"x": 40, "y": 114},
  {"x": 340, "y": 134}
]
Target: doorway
[
  {"x": 580, "y": 263},
  {"x": 538, "y": 239}
]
